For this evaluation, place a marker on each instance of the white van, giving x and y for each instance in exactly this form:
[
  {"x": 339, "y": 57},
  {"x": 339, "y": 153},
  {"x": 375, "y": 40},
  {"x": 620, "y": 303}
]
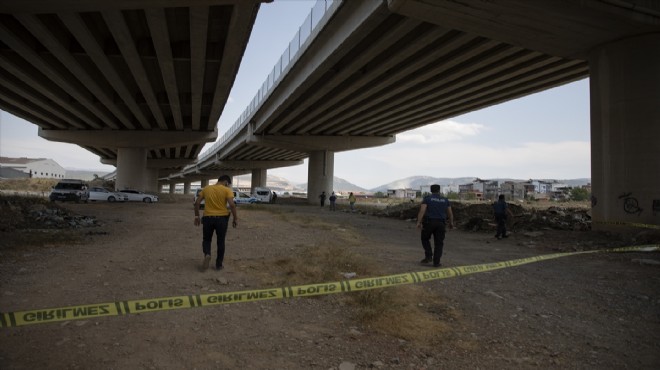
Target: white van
[{"x": 263, "y": 195}]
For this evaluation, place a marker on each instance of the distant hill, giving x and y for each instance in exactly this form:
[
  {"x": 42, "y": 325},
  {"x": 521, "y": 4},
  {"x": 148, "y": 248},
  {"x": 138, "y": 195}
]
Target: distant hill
[
  {"x": 342, "y": 186},
  {"x": 281, "y": 184},
  {"x": 83, "y": 174},
  {"x": 415, "y": 182}
]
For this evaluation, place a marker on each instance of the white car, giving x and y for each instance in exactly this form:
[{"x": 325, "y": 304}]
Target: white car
[
  {"x": 242, "y": 198},
  {"x": 138, "y": 196},
  {"x": 103, "y": 195}
]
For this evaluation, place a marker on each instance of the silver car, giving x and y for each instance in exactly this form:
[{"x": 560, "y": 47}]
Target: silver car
[
  {"x": 103, "y": 194},
  {"x": 138, "y": 196}
]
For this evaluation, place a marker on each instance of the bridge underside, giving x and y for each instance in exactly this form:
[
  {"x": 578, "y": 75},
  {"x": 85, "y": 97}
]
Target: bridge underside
[{"x": 137, "y": 81}]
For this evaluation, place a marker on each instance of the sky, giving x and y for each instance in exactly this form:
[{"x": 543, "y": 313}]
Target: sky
[{"x": 541, "y": 136}]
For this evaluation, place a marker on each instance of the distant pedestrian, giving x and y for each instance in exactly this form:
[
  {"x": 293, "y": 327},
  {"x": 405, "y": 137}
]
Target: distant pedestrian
[
  {"x": 351, "y": 201},
  {"x": 322, "y": 198},
  {"x": 434, "y": 213},
  {"x": 274, "y": 198},
  {"x": 333, "y": 201},
  {"x": 501, "y": 210},
  {"x": 216, "y": 218}
]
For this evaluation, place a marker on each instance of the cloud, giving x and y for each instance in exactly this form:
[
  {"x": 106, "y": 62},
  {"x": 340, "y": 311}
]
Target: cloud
[
  {"x": 440, "y": 132},
  {"x": 377, "y": 166},
  {"x": 66, "y": 155}
]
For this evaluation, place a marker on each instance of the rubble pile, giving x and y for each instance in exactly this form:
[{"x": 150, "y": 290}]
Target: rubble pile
[
  {"x": 37, "y": 213},
  {"x": 479, "y": 217}
]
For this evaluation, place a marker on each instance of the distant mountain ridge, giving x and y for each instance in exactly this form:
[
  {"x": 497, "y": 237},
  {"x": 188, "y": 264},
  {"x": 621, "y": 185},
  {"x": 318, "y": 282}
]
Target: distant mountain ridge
[
  {"x": 415, "y": 182},
  {"x": 281, "y": 184},
  {"x": 83, "y": 174}
]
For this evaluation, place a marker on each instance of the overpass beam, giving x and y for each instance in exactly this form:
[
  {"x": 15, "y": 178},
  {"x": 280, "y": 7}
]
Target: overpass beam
[
  {"x": 625, "y": 155},
  {"x": 320, "y": 174}
]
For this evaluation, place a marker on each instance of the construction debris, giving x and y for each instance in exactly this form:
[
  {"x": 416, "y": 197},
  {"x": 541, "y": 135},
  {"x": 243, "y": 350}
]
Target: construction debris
[{"x": 479, "y": 217}]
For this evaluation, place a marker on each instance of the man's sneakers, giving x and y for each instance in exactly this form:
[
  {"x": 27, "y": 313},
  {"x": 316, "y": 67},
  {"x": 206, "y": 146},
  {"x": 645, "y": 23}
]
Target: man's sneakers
[
  {"x": 429, "y": 260},
  {"x": 205, "y": 263}
]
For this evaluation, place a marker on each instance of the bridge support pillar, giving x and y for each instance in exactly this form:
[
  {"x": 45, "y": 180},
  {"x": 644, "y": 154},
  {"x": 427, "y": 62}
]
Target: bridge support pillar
[
  {"x": 625, "y": 154},
  {"x": 151, "y": 180},
  {"x": 259, "y": 178},
  {"x": 131, "y": 166},
  {"x": 320, "y": 174},
  {"x": 204, "y": 182},
  {"x": 172, "y": 187},
  {"x": 186, "y": 187}
]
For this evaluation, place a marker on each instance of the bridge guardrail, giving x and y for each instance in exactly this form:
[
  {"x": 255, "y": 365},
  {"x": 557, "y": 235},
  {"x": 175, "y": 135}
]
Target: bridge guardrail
[{"x": 317, "y": 18}]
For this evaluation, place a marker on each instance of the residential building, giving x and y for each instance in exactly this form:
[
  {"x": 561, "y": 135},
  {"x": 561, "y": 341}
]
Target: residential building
[{"x": 402, "y": 193}]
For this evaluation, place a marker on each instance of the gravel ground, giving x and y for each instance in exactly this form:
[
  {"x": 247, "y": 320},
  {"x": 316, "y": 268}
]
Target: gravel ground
[{"x": 585, "y": 311}]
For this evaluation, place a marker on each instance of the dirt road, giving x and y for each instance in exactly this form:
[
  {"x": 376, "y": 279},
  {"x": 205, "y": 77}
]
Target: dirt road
[{"x": 586, "y": 312}]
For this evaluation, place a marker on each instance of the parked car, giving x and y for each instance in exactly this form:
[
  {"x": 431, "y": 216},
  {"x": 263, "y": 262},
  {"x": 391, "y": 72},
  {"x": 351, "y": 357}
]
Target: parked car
[
  {"x": 69, "y": 190},
  {"x": 138, "y": 196},
  {"x": 103, "y": 194},
  {"x": 242, "y": 198}
]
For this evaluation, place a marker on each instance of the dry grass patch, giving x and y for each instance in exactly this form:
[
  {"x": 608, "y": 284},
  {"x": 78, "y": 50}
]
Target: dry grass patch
[{"x": 408, "y": 312}]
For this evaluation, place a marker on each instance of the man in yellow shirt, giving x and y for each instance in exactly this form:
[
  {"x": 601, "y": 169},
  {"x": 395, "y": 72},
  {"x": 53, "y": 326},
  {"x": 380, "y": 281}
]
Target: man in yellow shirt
[{"x": 216, "y": 218}]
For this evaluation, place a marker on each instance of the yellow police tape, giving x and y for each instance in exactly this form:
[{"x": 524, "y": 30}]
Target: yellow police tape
[{"x": 49, "y": 315}]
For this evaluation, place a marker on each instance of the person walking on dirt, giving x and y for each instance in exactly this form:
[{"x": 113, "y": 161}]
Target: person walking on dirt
[
  {"x": 322, "y": 198},
  {"x": 351, "y": 201},
  {"x": 434, "y": 213},
  {"x": 216, "y": 218},
  {"x": 333, "y": 201},
  {"x": 501, "y": 210}
]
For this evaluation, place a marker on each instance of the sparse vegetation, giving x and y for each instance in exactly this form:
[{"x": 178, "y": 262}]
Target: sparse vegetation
[
  {"x": 401, "y": 311},
  {"x": 579, "y": 194},
  {"x": 32, "y": 185}
]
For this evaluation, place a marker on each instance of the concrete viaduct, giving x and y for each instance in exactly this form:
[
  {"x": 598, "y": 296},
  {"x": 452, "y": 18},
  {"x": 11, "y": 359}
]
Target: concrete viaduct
[{"x": 370, "y": 70}]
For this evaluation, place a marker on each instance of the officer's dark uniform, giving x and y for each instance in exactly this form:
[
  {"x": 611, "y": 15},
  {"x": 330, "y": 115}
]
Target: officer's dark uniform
[{"x": 433, "y": 223}]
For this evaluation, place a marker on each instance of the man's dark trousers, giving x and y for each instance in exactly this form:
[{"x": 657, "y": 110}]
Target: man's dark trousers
[
  {"x": 217, "y": 224},
  {"x": 435, "y": 228}
]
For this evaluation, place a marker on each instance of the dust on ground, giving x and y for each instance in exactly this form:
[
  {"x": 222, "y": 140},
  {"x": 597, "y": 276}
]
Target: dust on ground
[{"x": 585, "y": 311}]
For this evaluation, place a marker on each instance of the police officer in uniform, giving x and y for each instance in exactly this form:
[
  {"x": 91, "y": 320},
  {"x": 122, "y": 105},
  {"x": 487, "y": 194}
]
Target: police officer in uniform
[{"x": 434, "y": 214}]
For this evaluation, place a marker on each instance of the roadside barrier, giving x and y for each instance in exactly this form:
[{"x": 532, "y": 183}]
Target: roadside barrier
[{"x": 120, "y": 308}]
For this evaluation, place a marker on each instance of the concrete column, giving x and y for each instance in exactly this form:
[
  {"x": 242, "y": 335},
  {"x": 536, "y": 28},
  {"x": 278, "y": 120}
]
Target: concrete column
[
  {"x": 131, "y": 164},
  {"x": 259, "y": 177},
  {"x": 320, "y": 174},
  {"x": 625, "y": 131},
  {"x": 204, "y": 182},
  {"x": 186, "y": 187},
  {"x": 172, "y": 187},
  {"x": 150, "y": 180}
]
